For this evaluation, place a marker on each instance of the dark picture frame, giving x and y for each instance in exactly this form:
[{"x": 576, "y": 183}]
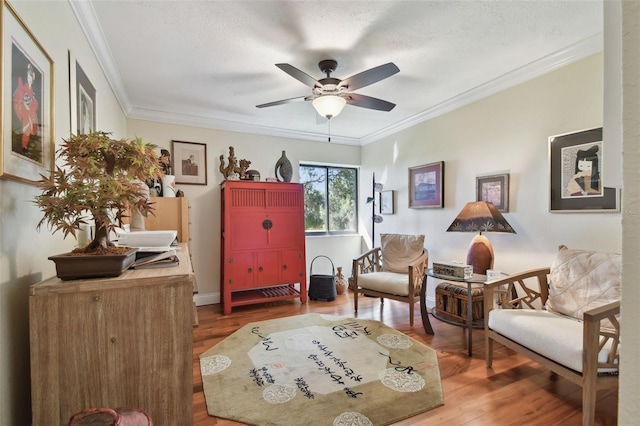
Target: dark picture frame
[
  {"x": 575, "y": 174},
  {"x": 189, "y": 162},
  {"x": 82, "y": 99},
  {"x": 387, "y": 201},
  {"x": 494, "y": 189},
  {"x": 426, "y": 186},
  {"x": 27, "y": 138}
]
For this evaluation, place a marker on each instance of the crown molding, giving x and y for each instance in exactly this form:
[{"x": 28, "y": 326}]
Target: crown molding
[
  {"x": 213, "y": 123},
  {"x": 573, "y": 53},
  {"x": 86, "y": 16}
]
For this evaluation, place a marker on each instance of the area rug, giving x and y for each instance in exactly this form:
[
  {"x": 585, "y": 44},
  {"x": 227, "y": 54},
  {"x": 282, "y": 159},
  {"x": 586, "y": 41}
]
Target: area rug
[{"x": 319, "y": 370}]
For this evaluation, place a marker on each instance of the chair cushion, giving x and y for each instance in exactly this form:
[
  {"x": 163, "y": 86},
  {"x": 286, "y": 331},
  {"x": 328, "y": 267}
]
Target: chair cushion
[
  {"x": 530, "y": 328},
  {"x": 399, "y": 250},
  {"x": 385, "y": 282},
  {"x": 581, "y": 280}
]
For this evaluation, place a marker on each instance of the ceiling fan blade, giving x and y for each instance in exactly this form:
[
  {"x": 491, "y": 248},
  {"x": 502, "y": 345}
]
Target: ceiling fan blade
[
  {"x": 282, "y": 102},
  {"x": 369, "y": 76},
  {"x": 298, "y": 75},
  {"x": 369, "y": 102}
]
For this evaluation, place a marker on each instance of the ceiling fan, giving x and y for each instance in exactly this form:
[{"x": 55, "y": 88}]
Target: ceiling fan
[{"x": 330, "y": 94}]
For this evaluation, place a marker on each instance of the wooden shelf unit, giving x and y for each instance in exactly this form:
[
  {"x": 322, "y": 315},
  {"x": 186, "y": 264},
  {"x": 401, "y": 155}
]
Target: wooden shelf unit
[
  {"x": 263, "y": 243},
  {"x": 114, "y": 342},
  {"x": 170, "y": 213}
]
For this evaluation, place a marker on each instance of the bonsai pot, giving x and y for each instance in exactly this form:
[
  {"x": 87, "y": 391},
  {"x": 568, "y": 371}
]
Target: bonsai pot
[{"x": 74, "y": 266}]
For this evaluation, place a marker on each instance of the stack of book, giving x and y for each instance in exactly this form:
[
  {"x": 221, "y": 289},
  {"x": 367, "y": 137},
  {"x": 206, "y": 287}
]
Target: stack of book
[{"x": 156, "y": 259}]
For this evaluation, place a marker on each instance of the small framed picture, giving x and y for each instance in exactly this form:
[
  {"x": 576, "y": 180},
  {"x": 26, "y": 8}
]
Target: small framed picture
[
  {"x": 82, "y": 99},
  {"x": 190, "y": 162},
  {"x": 386, "y": 202},
  {"x": 494, "y": 189},
  {"x": 426, "y": 186},
  {"x": 575, "y": 167},
  {"x": 27, "y": 146}
]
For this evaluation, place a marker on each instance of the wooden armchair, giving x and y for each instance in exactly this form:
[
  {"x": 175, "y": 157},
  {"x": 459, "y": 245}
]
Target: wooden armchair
[
  {"x": 393, "y": 271},
  {"x": 584, "y": 350}
]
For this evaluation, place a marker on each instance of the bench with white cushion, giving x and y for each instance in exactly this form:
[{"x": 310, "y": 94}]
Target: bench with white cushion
[{"x": 564, "y": 317}]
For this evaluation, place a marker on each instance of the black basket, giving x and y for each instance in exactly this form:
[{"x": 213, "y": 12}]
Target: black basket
[{"x": 322, "y": 287}]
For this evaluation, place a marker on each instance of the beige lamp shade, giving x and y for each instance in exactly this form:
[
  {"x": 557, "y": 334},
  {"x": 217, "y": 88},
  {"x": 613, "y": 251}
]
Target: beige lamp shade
[{"x": 480, "y": 216}]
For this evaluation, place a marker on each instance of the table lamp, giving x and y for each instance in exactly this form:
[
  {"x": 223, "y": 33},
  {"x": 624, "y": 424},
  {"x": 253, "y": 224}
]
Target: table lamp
[{"x": 480, "y": 216}]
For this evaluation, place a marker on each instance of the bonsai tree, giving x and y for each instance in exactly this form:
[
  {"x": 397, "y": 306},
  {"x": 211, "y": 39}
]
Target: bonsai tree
[{"x": 102, "y": 179}]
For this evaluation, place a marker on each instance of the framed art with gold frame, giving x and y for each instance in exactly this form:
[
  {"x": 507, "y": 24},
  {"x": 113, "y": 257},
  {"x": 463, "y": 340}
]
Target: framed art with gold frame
[{"x": 26, "y": 142}]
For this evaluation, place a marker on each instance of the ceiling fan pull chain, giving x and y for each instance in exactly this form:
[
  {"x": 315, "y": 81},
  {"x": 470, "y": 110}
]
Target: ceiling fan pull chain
[{"x": 329, "y": 123}]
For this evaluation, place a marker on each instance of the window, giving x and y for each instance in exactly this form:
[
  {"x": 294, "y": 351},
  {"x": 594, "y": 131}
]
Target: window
[{"x": 330, "y": 195}]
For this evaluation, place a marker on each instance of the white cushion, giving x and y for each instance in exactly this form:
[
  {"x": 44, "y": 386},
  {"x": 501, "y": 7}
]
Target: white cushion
[
  {"x": 399, "y": 250},
  {"x": 581, "y": 280},
  {"x": 552, "y": 335},
  {"x": 385, "y": 282}
]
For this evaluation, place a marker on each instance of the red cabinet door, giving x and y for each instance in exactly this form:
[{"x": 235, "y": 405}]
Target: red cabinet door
[
  {"x": 239, "y": 271},
  {"x": 267, "y": 268},
  {"x": 259, "y": 231},
  {"x": 293, "y": 266}
]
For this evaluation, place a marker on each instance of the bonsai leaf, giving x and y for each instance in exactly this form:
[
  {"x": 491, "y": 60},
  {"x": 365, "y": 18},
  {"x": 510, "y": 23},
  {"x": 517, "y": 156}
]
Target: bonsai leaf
[{"x": 100, "y": 180}]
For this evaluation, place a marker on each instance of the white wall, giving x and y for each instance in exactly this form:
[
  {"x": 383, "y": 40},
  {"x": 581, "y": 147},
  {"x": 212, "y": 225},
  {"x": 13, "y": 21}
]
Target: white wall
[
  {"x": 506, "y": 132},
  {"x": 629, "y": 403},
  {"x": 204, "y": 201},
  {"x": 23, "y": 250}
]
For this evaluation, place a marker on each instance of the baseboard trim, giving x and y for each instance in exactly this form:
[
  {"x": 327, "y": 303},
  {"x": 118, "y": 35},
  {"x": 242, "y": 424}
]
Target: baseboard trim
[
  {"x": 206, "y": 299},
  {"x": 214, "y": 298}
]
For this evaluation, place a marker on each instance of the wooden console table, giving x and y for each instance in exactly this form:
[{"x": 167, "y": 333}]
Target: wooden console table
[{"x": 114, "y": 342}]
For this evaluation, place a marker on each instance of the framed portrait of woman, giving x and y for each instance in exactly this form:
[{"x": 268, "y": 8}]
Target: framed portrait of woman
[
  {"x": 575, "y": 166},
  {"x": 26, "y": 140}
]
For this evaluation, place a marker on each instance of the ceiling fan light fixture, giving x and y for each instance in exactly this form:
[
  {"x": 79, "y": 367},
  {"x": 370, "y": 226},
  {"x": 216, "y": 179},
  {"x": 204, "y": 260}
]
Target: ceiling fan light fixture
[{"x": 329, "y": 106}]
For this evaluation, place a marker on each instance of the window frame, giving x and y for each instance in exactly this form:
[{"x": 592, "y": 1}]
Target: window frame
[{"x": 327, "y": 167}]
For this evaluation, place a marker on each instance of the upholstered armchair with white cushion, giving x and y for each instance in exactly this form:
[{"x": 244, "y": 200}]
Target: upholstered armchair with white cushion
[
  {"x": 395, "y": 270},
  {"x": 564, "y": 317}
]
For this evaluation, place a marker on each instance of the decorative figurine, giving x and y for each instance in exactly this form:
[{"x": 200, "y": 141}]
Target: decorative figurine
[{"x": 232, "y": 171}]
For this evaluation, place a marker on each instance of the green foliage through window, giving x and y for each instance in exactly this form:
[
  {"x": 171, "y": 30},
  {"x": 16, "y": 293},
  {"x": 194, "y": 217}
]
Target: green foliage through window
[{"x": 330, "y": 195}]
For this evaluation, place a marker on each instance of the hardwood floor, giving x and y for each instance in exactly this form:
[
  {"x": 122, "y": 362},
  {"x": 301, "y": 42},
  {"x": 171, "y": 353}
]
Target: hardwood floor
[{"x": 515, "y": 391}]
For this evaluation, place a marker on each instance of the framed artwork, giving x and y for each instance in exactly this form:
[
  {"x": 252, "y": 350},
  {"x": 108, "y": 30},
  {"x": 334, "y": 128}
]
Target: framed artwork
[
  {"x": 494, "y": 189},
  {"x": 386, "y": 202},
  {"x": 82, "y": 99},
  {"x": 26, "y": 143},
  {"x": 426, "y": 186},
  {"x": 190, "y": 162},
  {"x": 575, "y": 166}
]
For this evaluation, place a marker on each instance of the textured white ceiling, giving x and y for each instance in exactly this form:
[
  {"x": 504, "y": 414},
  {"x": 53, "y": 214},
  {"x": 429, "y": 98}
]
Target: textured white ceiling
[{"x": 208, "y": 63}]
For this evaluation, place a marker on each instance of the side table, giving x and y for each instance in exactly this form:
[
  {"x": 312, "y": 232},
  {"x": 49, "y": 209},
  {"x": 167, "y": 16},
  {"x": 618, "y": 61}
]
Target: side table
[{"x": 475, "y": 279}]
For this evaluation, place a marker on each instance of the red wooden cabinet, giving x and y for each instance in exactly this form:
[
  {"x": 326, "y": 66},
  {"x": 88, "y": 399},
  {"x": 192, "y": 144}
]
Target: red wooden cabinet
[{"x": 263, "y": 246}]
